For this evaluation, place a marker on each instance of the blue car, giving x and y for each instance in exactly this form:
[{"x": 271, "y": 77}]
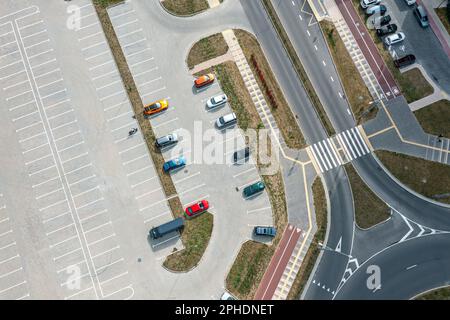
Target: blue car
[
  {"x": 174, "y": 164},
  {"x": 265, "y": 231}
]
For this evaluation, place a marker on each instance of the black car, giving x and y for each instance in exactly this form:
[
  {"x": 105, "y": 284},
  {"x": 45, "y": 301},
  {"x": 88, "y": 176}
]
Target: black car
[
  {"x": 405, "y": 61},
  {"x": 385, "y": 30},
  {"x": 242, "y": 155},
  {"x": 385, "y": 20}
]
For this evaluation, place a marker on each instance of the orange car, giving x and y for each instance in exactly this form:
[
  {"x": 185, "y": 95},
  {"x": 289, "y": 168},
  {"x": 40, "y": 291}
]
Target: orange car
[
  {"x": 204, "y": 80},
  {"x": 156, "y": 107}
]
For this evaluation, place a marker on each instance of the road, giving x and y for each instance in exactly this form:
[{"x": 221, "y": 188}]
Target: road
[{"x": 305, "y": 36}]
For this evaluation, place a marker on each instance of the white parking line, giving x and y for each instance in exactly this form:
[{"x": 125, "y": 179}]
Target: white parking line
[
  {"x": 148, "y": 82},
  {"x": 91, "y": 203},
  {"x": 109, "y": 264},
  {"x": 243, "y": 172},
  {"x": 93, "y": 45},
  {"x": 71, "y": 265},
  {"x": 154, "y": 91},
  {"x": 113, "y": 278},
  {"x": 39, "y": 171},
  {"x": 98, "y": 227},
  {"x": 129, "y": 33},
  {"x": 78, "y": 169},
  {"x": 75, "y": 279},
  {"x": 49, "y": 193},
  {"x": 102, "y": 239},
  {"x": 97, "y": 55},
  {"x": 36, "y": 44},
  {"x": 249, "y": 183},
  {"x": 126, "y": 23},
  {"x": 60, "y": 114},
  {"x": 142, "y": 182},
  {"x": 162, "y": 242},
  {"x": 9, "y": 245},
  {"x": 10, "y": 54},
  {"x": 53, "y": 94},
  {"x": 77, "y": 293},
  {"x": 144, "y": 72},
  {"x": 63, "y": 241},
  {"x": 6, "y": 44},
  {"x": 104, "y": 75},
  {"x": 56, "y": 217},
  {"x": 122, "y": 14},
  {"x": 64, "y": 125},
  {"x": 29, "y": 126},
  {"x": 107, "y": 85},
  {"x": 137, "y": 52},
  {"x": 14, "y": 85},
  {"x": 105, "y": 252},
  {"x": 260, "y": 209},
  {"x": 33, "y": 136},
  {"x": 39, "y": 54},
  {"x": 86, "y": 191},
  {"x": 32, "y": 149},
  {"x": 44, "y": 182},
  {"x": 67, "y": 135},
  {"x": 124, "y": 126},
  {"x": 12, "y": 75},
  {"x": 140, "y": 170},
  {"x": 186, "y": 178},
  {"x": 155, "y": 217},
  {"x": 118, "y": 116},
  {"x": 4, "y": 220},
  {"x": 59, "y": 229},
  {"x": 18, "y": 95},
  {"x": 164, "y": 123},
  {"x": 140, "y": 62},
  {"x": 89, "y": 25},
  {"x": 72, "y": 146},
  {"x": 22, "y": 105},
  {"x": 101, "y": 65},
  {"x": 43, "y": 63},
  {"x": 133, "y": 43},
  {"x": 90, "y": 36},
  {"x": 31, "y": 24},
  {"x": 114, "y": 106},
  {"x": 131, "y": 148},
  {"x": 57, "y": 104},
  {"x": 76, "y": 157},
  {"x": 112, "y": 95},
  {"x": 53, "y": 82},
  {"x": 147, "y": 193},
  {"x": 12, "y": 287},
  {"x": 25, "y": 115},
  {"x": 191, "y": 189},
  {"x": 34, "y": 34},
  {"x": 11, "y": 272},
  {"x": 5, "y": 233},
  {"x": 66, "y": 254},
  {"x": 82, "y": 180},
  {"x": 94, "y": 215},
  {"x": 9, "y": 259},
  {"x": 38, "y": 159}
]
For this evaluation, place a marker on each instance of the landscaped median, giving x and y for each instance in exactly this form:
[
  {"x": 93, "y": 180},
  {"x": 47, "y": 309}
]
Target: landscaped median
[
  {"x": 435, "y": 118},
  {"x": 444, "y": 16},
  {"x": 185, "y": 7},
  {"x": 412, "y": 83},
  {"x": 357, "y": 93},
  {"x": 197, "y": 231},
  {"x": 206, "y": 49},
  {"x": 428, "y": 178}
]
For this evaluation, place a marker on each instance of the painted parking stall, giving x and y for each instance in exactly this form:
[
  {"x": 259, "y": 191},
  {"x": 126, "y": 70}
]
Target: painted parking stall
[{"x": 70, "y": 201}]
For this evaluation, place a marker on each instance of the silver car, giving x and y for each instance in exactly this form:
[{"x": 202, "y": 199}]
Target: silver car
[
  {"x": 394, "y": 38},
  {"x": 217, "y": 101},
  {"x": 367, "y": 3},
  {"x": 226, "y": 120}
]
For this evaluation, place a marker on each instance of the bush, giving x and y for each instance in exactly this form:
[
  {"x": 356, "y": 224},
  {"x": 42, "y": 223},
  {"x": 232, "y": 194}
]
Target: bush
[{"x": 448, "y": 11}]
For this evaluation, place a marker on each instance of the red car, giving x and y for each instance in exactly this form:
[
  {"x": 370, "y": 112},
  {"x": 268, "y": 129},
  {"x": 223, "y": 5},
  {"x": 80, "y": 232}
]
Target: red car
[{"x": 197, "y": 208}]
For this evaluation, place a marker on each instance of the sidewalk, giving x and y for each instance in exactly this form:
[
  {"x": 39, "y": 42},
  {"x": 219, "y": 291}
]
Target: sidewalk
[{"x": 436, "y": 24}]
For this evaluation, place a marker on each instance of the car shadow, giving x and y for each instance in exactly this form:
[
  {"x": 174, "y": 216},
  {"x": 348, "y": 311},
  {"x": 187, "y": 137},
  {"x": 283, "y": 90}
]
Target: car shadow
[{"x": 167, "y": 241}]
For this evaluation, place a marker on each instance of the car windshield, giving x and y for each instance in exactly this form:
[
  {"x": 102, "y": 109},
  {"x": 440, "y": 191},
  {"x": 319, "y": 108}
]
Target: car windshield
[
  {"x": 156, "y": 105},
  {"x": 201, "y": 205},
  {"x": 217, "y": 99}
]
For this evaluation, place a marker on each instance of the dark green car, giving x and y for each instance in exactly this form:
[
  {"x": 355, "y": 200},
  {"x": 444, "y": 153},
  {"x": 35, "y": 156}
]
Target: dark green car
[{"x": 253, "y": 189}]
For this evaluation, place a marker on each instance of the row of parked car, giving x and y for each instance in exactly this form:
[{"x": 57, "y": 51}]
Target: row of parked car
[
  {"x": 239, "y": 157},
  {"x": 388, "y": 30}
]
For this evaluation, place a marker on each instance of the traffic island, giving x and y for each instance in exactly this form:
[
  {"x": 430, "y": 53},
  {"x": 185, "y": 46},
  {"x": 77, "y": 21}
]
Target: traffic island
[
  {"x": 195, "y": 237},
  {"x": 428, "y": 178},
  {"x": 370, "y": 210},
  {"x": 206, "y": 49},
  {"x": 185, "y": 7}
]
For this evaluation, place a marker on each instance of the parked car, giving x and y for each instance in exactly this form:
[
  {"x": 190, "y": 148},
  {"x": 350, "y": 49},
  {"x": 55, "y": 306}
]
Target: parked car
[
  {"x": 155, "y": 107},
  {"x": 174, "y": 164},
  {"x": 242, "y": 155},
  {"x": 410, "y": 2},
  {"x": 382, "y": 20},
  {"x": 226, "y": 120},
  {"x": 227, "y": 296},
  {"x": 394, "y": 38},
  {"x": 168, "y": 227},
  {"x": 166, "y": 140},
  {"x": 367, "y": 3},
  {"x": 380, "y": 9},
  {"x": 405, "y": 61},
  {"x": 421, "y": 15},
  {"x": 204, "y": 80},
  {"x": 217, "y": 101},
  {"x": 265, "y": 231},
  {"x": 253, "y": 189},
  {"x": 196, "y": 209},
  {"x": 388, "y": 29}
]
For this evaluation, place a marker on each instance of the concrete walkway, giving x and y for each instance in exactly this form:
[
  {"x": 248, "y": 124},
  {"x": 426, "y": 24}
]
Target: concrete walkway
[
  {"x": 213, "y": 3},
  {"x": 212, "y": 62}
]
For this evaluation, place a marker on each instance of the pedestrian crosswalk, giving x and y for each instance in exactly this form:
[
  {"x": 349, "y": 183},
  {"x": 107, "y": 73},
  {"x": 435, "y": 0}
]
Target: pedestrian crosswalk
[{"x": 344, "y": 147}]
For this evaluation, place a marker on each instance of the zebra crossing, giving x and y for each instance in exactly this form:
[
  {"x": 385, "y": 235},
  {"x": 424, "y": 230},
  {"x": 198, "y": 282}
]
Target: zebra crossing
[{"x": 344, "y": 147}]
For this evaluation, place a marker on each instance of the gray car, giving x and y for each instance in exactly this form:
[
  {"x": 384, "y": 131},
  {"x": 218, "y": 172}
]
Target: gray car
[{"x": 166, "y": 140}]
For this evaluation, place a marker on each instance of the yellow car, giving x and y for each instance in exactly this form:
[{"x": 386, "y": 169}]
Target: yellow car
[{"x": 156, "y": 107}]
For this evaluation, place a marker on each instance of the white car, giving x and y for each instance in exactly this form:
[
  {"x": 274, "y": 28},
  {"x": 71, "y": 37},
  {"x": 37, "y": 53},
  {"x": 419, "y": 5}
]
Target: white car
[
  {"x": 217, "y": 101},
  {"x": 367, "y": 3},
  {"x": 394, "y": 38},
  {"x": 410, "y": 2},
  {"x": 227, "y": 296},
  {"x": 226, "y": 120}
]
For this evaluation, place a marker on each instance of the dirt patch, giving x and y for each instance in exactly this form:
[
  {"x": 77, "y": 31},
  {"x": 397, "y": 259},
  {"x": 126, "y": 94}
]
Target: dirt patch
[
  {"x": 206, "y": 49},
  {"x": 435, "y": 118},
  {"x": 320, "y": 207},
  {"x": 428, "y": 178},
  {"x": 413, "y": 85},
  {"x": 369, "y": 209},
  {"x": 185, "y": 7},
  {"x": 358, "y": 95},
  {"x": 195, "y": 236},
  {"x": 280, "y": 109},
  {"x": 299, "y": 67}
]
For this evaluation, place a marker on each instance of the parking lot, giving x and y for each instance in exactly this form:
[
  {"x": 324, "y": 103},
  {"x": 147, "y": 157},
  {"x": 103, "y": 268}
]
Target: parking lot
[
  {"x": 188, "y": 116},
  {"x": 419, "y": 41}
]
